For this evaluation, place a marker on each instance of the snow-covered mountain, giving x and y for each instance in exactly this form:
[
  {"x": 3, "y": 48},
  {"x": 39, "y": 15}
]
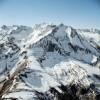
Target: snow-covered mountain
[{"x": 49, "y": 62}]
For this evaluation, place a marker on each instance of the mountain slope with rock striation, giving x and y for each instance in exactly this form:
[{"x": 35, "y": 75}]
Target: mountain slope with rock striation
[{"x": 49, "y": 62}]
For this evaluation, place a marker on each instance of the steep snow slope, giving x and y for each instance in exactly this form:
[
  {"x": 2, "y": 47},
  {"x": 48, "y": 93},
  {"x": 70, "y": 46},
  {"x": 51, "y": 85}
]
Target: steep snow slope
[{"x": 41, "y": 62}]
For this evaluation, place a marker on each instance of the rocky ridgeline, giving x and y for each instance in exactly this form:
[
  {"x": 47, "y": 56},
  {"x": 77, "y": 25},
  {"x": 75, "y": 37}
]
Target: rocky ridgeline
[{"x": 49, "y": 62}]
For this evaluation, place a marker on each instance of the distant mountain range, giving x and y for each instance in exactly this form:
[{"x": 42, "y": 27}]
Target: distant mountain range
[{"x": 49, "y": 62}]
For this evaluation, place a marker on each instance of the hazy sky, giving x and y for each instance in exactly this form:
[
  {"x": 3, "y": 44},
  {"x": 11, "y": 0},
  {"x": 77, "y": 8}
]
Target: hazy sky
[{"x": 77, "y": 13}]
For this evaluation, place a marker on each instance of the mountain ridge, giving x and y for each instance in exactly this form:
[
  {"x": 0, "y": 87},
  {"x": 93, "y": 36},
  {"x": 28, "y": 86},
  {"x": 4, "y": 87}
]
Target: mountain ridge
[{"x": 42, "y": 60}]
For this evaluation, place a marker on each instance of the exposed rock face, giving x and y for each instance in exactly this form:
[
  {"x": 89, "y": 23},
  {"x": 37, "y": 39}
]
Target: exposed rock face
[{"x": 49, "y": 62}]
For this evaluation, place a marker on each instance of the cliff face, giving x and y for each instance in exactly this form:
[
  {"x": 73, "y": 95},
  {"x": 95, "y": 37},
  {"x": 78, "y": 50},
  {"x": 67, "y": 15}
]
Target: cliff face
[{"x": 49, "y": 62}]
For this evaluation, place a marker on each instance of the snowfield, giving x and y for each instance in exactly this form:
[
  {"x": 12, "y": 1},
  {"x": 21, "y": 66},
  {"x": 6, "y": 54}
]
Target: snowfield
[{"x": 49, "y": 62}]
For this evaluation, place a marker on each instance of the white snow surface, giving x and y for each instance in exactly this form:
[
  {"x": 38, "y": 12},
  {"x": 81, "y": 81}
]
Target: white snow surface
[{"x": 47, "y": 56}]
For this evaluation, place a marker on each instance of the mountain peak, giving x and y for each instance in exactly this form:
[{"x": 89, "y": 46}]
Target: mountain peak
[{"x": 47, "y": 61}]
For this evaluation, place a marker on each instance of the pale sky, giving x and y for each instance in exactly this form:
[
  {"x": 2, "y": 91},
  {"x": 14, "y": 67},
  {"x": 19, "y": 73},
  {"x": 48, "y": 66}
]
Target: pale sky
[{"x": 77, "y": 13}]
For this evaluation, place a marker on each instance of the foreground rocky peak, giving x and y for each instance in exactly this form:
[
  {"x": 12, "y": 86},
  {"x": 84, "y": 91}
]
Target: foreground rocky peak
[{"x": 49, "y": 62}]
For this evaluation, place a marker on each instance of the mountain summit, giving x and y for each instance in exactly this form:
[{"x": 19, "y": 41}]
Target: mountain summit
[{"x": 49, "y": 62}]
